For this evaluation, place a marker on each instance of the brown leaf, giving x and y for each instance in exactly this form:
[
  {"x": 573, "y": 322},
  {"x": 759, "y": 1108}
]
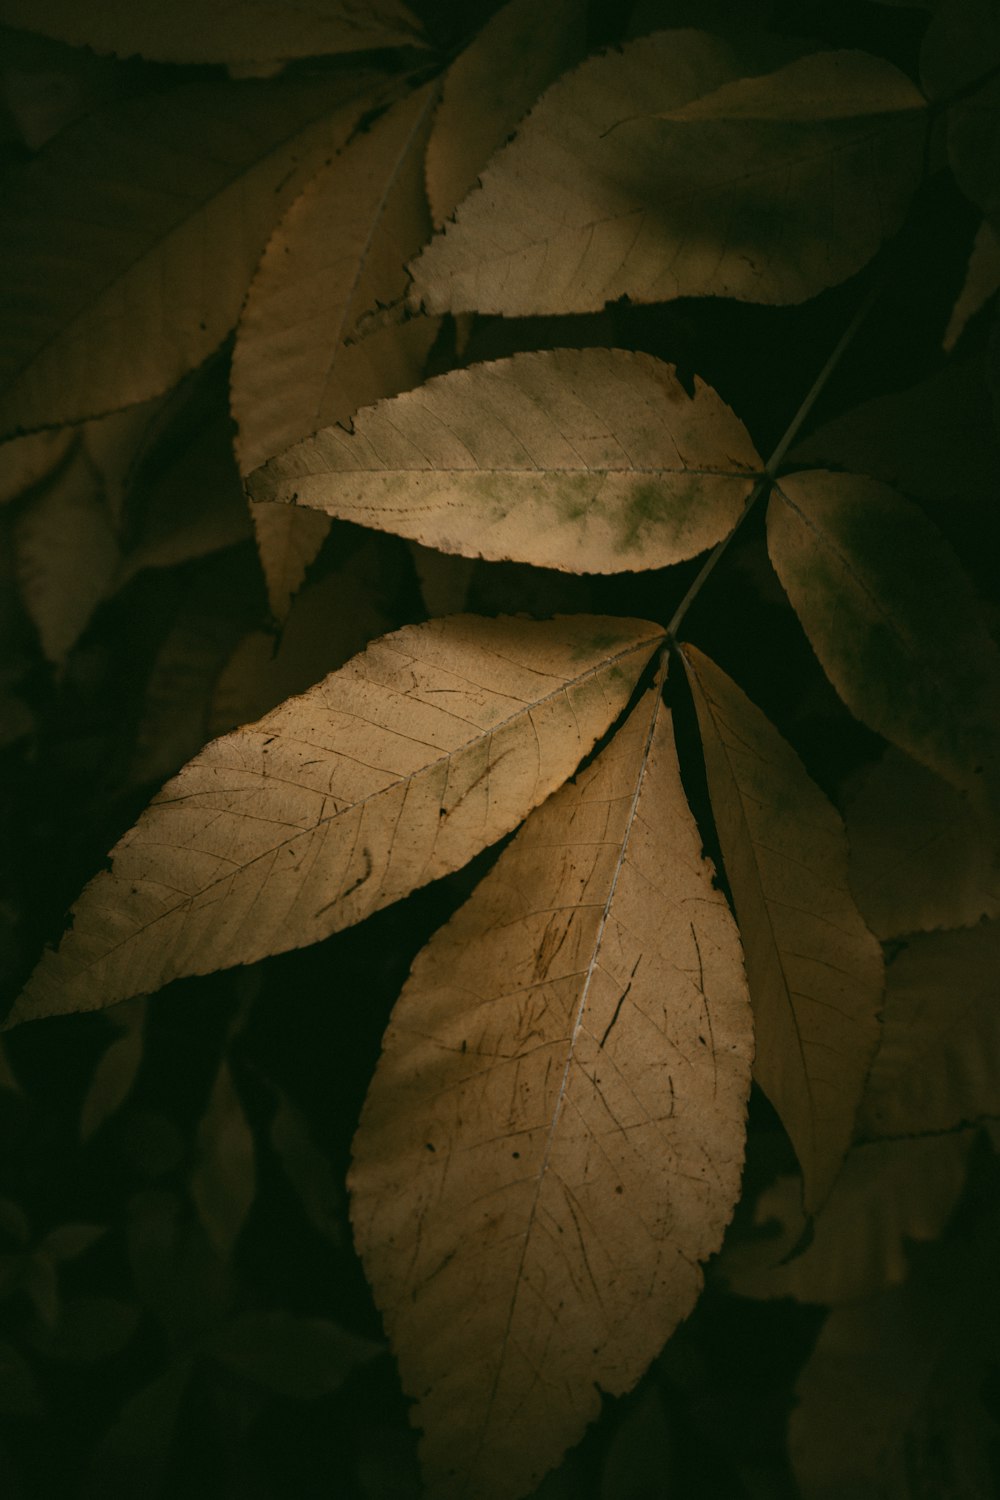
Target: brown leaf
[
  {"x": 596, "y": 199},
  {"x": 329, "y": 622},
  {"x": 554, "y": 1135},
  {"x": 398, "y": 768},
  {"x": 107, "y": 293},
  {"x": 889, "y": 1194},
  {"x": 823, "y": 86},
  {"x": 935, "y": 442},
  {"x": 815, "y": 970},
  {"x": 921, "y": 856},
  {"x": 495, "y": 81},
  {"x": 982, "y": 280},
  {"x": 938, "y": 1064},
  {"x": 339, "y": 251},
  {"x": 66, "y": 553},
  {"x": 893, "y": 619},
  {"x": 589, "y": 460},
  {"x": 252, "y": 31}
]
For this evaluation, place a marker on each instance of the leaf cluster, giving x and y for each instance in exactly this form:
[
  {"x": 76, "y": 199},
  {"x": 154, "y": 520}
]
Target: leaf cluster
[{"x": 497, "y": 511}]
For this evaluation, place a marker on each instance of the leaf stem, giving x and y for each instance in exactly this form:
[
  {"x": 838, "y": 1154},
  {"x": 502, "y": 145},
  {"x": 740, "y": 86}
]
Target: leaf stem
[{"x": 766, "y": 479}]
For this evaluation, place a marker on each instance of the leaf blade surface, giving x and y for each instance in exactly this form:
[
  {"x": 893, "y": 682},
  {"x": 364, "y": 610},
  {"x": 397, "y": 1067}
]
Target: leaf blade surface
[
  {"x": 815, "y": 970},
  {"x": 397, "y": 768},
  {"x": 553, "y": 1138},
  {"x": 580, "y": 459}
]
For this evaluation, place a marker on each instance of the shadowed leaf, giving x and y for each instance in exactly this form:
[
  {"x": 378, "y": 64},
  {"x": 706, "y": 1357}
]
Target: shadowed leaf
[
  {"x": 595, "y": 198},
  {"x": 815, "y": 970}
]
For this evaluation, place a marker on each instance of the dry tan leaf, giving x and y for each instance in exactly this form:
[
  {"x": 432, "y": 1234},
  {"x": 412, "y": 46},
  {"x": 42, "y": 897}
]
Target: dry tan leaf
[
  {"x": 938, "y": 1064},
  {"x": 553, "y": 1137},
  {"x": 229, "y": 31},
  {"x": 498, "y": 77},
  {"x": 815, "y": 970},
  {"x": 892, "y": 618},
  {"x": 822, "y": 86},
  {"x": 107, "y": 293},
  {"x": 921, "y": 856},
  {"x": 982, "y": 280},
  {"x": 595, "y": 199},
  {"x": 67, "y": 555},
  {"x": 889, "y": 1194},
  {"x": 340, "y": 250},
  {"x": 589, "y": 460},
  {"x": 433, "y": 743}
]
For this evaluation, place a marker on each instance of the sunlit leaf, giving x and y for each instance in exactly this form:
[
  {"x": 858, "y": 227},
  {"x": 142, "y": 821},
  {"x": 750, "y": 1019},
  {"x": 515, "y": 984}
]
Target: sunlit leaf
[
  {"x": 400, "y": 767},
  {"x": 815, "y": 970},
  {"x": 892, "y": 618},
  {"x": 129, "y": 241},
  {"x": 590, "y": 460},
  {"x": 554, "y": 1134},
  {"x": 596, "y": 199},
  {"x": 938, "y": 1065}
]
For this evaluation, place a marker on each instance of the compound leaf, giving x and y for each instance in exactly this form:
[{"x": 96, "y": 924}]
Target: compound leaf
[
  {"x": 597, "y": 198},
  {"x": 553, "y": 1137}
]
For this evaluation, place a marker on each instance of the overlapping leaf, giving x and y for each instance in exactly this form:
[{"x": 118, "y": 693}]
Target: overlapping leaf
[
  {"x": 590, "y": 460},
  {"x": 129, "y": 242},
  {"x": 428, "y": 746},
  {"x": 233, "y": 31},
  {"x": 892, "y": 618},
  {"x": 815, "y": 970},
  {"x": 598, "y": 198},
  {"x": 938, "y": 1065},
  {"x": 889, "y": 1194},
  {"x": 921, "y": 855},
  {"x": 339, "y": 252},
  {"x": 519, "y": 51},
  {"x": 554, "y": 1134}
]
